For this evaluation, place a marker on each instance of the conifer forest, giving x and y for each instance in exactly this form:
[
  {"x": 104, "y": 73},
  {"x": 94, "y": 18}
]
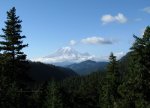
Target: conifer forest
[{"x": 123, "y": 83}]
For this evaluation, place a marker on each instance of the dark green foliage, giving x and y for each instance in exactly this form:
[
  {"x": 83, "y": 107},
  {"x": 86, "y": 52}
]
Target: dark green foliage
[
  {"x": 11, "y": 47},
  {"x": 40, "y": 72},
  {"x": 53, "y": 97},
  {"x": 13, "y": 62},
  {"x": 35, "y": 99},
  {"x": 135, "y": 88},
  {"x": 79, "y": 92},
  {"x": 110, "y": 87},
  {"x": 124, "y": 64}
]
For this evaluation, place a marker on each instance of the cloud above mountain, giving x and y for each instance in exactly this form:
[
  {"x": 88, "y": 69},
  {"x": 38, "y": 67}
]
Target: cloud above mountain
[
  {"x": 108, "y": 18},
  {"x": 96, "y": 40}
]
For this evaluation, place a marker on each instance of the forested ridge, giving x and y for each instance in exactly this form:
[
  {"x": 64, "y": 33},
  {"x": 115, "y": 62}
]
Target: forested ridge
[
  {"x": 40, "y": 72},
  {"x": 124, "y": 84}
]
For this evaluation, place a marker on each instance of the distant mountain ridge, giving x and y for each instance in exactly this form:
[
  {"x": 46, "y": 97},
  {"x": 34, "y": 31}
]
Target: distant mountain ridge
[{"x": 87, "y": 67}]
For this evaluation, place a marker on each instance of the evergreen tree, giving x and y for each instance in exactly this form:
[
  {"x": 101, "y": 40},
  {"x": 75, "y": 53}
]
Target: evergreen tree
[
  {"x": 53, "y": 98},
  {"x": 13, "y": 62},
  {"x": 9, "y": 97},
  {"x": 34, "y": 100},
  {"x": 136, "y": 87},
  {"x": 110, "y": 87},
  {"x": 12, "y": 45}
]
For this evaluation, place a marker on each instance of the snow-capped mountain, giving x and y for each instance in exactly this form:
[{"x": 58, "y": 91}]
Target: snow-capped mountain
[{"x": 65, "y": 56}]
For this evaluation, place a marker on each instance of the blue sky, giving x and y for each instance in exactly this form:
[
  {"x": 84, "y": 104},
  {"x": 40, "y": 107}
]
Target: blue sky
[{"x": 94, "y": 26}]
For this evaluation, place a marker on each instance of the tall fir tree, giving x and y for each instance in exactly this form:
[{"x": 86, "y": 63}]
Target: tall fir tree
[
  {"x": 136, "y": 87},
  {"x": 11, "y": 46},
  {"x": 12, "y": 61},
  {"x": 112, "y": 81}
]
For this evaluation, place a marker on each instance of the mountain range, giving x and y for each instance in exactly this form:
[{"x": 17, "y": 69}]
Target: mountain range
[
  {"x": 68, "y": 55},
  {"x": 81, "y": 63},
  {"x": 87, "y": 67}
]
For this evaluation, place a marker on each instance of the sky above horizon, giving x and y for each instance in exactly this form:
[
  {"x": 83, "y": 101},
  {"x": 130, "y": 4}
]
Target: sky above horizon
[{"x": 94, "y": 26}]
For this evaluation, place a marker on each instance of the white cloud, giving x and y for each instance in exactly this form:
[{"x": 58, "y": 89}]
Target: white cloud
[
  {"x": 120, "y": 18},
  {"x": 146, "y": 9},
  {"x": 96, "y": 40},
  {"x": 72, "y": 42},
  {"x": 107, "y": 19}
]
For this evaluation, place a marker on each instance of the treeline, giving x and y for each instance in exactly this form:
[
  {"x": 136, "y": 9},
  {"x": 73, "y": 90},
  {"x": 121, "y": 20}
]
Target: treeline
[{"x": 125, "y": 84}]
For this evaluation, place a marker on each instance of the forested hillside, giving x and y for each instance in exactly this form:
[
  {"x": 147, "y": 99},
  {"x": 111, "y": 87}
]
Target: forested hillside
[
  {"x": 41, "y": 72},
  {"x": 124, "y": 84}
]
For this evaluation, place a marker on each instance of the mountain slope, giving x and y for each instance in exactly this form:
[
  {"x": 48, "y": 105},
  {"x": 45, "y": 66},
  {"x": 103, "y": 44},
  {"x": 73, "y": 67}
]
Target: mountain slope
[
  {"x": 88, "y": 66},
  {"x": 42, "y": 72}
]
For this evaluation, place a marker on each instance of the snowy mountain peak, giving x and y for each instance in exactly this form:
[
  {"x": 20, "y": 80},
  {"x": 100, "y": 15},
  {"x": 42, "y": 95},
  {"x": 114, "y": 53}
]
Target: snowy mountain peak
[
  {"x": 66, "y": 54},
  {"x": 67, "y": 51}
]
